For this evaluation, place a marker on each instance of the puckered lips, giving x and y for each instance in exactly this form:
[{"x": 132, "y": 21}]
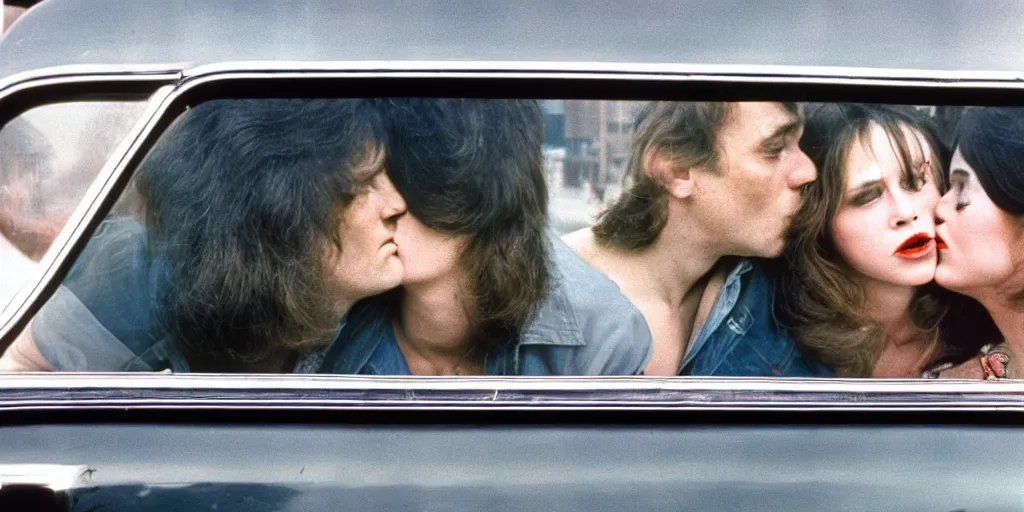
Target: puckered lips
[
  {"x": 917, "y": 246},
  {"x": 940, "y": 244}
]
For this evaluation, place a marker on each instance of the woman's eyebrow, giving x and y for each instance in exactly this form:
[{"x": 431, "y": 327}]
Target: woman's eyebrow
[
  {"x": 865, "y": 185},
  {"x": 959, "y": 172}
]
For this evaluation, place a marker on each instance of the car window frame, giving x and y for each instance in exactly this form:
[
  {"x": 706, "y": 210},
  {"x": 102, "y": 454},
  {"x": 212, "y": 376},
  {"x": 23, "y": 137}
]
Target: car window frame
[
  {"x": 23, "y": 92},
  {"x": 173, "y": 89}
]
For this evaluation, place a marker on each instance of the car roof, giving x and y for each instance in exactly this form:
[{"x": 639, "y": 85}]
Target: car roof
[{"x": 910, "y": 34}]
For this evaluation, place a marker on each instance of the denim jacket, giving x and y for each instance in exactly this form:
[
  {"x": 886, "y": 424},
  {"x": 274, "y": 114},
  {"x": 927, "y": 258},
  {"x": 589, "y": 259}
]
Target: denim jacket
[
  {"x": 585, "y": 326},
  {"x": 741, "y": 338}
]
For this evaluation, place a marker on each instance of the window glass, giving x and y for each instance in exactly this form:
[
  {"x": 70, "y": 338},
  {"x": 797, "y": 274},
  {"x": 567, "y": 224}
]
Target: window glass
[
  {"x": 422, "y": 236},
  {"x": 48, "y": 158},
  {"x": 586, "y": 147}
]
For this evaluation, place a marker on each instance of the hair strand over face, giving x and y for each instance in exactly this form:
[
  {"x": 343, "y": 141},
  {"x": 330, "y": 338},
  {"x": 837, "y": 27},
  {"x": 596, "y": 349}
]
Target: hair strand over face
[
  {"x": 475, "y": 168},
  {"x": 243, "y": 202}
]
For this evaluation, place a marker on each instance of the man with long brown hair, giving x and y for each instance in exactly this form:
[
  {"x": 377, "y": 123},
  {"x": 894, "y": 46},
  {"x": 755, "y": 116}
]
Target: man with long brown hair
[
  {"x": 223, "y": 277},
  {"x": 706, "y": 182}
]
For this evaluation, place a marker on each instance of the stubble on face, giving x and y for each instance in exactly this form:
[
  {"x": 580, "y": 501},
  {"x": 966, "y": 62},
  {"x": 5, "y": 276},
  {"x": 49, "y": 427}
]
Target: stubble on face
[
  {"x": 754, "y": 197},
  {"x": 368, "y": 262}
]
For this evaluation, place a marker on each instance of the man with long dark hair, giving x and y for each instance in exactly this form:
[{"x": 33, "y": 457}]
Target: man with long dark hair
[
  {"x": 265, "y": 220},
  {"x": 487, "y": 290}
]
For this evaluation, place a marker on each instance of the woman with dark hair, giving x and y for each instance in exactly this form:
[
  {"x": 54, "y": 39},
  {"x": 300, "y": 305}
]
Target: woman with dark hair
[
  {"x": 857, "y": 290},
  {"x": 981, "y": 220},
  {"x": 266, "y": 219},
  {"x": 486, "y": 289}
]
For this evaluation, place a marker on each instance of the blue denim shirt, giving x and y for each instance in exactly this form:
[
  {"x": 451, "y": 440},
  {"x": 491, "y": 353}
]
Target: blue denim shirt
[
  {"x": 741, "y": 338},
  {"x": 585, "y": 326}
]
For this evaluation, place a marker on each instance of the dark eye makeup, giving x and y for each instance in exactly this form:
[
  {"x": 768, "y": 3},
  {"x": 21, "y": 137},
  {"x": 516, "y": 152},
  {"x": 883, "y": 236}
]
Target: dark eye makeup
[
  {"x": 959, "y": 184},
  {"x": 867, "y": 195}
]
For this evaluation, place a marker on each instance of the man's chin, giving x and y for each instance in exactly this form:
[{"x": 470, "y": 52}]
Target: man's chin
[
  {"x": 389, "y": 283},
  {"x": 771, "y": 249}
]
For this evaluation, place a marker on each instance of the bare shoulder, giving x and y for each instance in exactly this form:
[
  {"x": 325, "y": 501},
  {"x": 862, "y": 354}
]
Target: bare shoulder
[
  {"x": 581, "y": 242},
  {"x": 585, "y": 245}
]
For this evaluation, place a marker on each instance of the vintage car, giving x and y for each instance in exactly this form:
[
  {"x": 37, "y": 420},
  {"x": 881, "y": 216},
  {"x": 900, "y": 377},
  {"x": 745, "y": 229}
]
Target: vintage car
[{"x": 92, "y": 84}]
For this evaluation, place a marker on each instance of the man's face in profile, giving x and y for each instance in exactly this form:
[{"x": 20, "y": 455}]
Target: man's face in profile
[{"x": 757, "y": 188}]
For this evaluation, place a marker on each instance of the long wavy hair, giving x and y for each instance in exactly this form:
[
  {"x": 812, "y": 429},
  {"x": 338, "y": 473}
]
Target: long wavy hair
[
  {"x": 244, "y": 199},
  {"x": 817, "y": 301},
  {"x": 475, "y": 167}
]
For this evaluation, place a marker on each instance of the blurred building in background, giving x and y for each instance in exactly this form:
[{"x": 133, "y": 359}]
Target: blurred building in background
[
  {"x": 586, "y": 148},
  {"x": 594, "y": 138}
]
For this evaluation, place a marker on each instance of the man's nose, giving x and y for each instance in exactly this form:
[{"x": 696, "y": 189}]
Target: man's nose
[
  {"x": 804, "y": 173},
  {"x": 394, "y": 205},
  {"x": 392, "y": 202}
]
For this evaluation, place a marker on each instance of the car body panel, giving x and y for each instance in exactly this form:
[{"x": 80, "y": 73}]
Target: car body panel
[
  {"x": 914, "y": 34},
  {"x": 601, "y": 467}
]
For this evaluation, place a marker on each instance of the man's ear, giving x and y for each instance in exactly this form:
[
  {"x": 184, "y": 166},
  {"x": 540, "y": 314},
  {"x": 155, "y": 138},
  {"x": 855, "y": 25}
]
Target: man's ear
[{"x": 678, "y": 180}]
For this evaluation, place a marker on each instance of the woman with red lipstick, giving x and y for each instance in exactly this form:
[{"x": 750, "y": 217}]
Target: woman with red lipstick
[
  {"x": 981, "y": 219},
  {"x": 858, "y": 291}
]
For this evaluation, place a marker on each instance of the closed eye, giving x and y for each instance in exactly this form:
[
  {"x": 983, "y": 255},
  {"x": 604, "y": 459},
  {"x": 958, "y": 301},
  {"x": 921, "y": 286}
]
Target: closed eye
[
  {"x": 866, "y": 196},
  {"x": 959, "y": 183}
]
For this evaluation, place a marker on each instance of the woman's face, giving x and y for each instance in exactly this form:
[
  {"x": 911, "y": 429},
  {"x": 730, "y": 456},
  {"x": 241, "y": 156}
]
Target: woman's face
[
  {"x": 369, "y": 262},
  {"x": 884, "y": 228},
  {"x": 427, "y": 254},
  {"x": 982, "y": 241}
]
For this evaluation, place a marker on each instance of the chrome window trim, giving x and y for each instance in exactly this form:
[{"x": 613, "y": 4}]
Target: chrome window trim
[
  {"x": 82, "y": 73},
  {"x": 613, "y": 70},
  {"x": 144, "y": 391}
]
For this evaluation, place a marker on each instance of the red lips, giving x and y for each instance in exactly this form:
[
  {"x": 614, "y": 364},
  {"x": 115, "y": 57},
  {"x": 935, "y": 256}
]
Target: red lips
[
  {"x": 940, "y": 243},
  {"x": 917, "y": 246}
]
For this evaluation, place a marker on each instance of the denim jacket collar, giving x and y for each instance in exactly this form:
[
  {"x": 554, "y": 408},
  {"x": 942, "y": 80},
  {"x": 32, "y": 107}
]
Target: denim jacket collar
[
  {"x": 355, "y": 344},
  {"x": 724, "y": 304},
  {"x": 554, "y": 324},
  {"x": 578, "y": 328}
]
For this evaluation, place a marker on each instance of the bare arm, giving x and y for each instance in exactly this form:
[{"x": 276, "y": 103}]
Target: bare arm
[{"x": 23, "y": 356}]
